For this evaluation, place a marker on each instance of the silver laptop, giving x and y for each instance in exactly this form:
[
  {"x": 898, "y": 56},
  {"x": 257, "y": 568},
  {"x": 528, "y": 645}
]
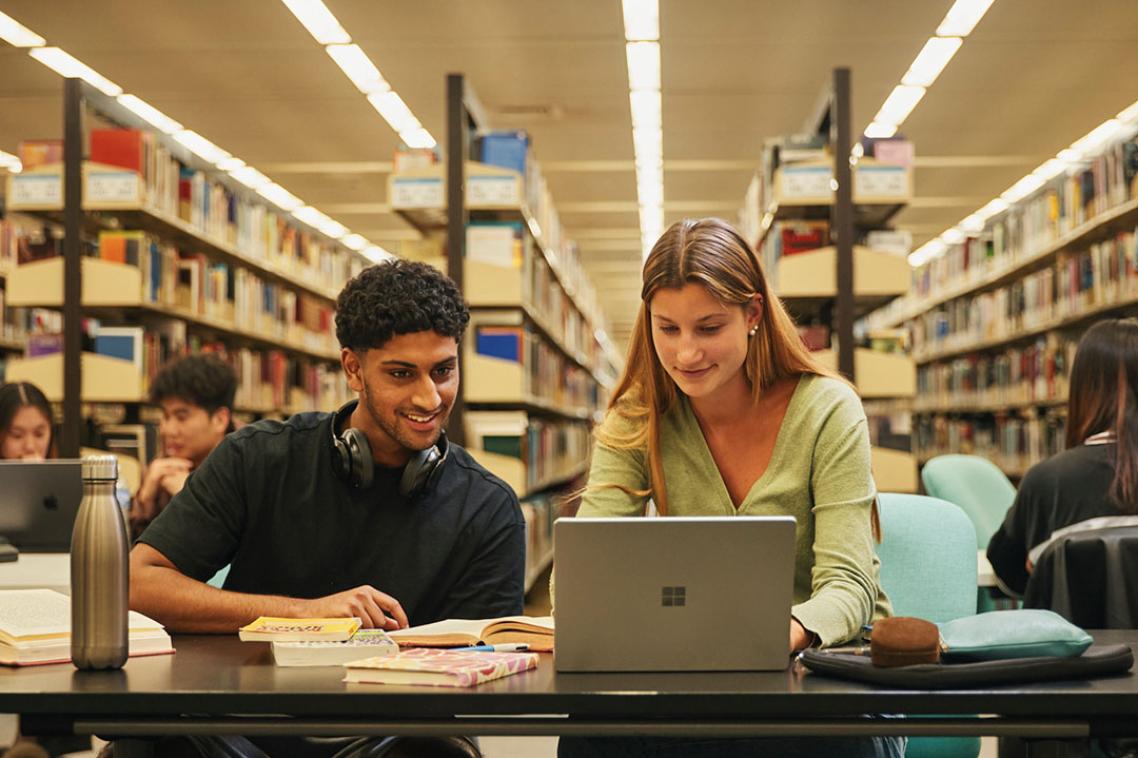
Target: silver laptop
[
  {"x": 673, "y": 594},
  {"x": 38, "y": 503}
]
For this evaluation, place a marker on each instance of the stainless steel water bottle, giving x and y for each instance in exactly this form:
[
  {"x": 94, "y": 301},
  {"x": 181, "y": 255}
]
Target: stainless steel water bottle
[{"x": 99, "y": 571}]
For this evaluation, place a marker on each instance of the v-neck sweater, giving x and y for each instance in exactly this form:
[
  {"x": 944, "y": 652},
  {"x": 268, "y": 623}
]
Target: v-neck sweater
[{"x": 819, "y": 473}]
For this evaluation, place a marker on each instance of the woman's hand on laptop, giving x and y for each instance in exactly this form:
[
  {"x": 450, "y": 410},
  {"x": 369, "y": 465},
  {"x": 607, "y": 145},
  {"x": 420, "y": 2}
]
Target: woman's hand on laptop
[{"x": 374, "y": 608}]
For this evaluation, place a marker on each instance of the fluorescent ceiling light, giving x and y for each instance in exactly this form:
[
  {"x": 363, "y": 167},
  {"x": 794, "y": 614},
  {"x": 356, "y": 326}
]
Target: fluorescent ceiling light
[
  {"x": 149, "y": 114},
  {"x": 18, "y": 35},
  {"x": 994, "y": 207},
  {"x": 643, "y": 65},
  {"x": 315, "y": 218},
  {"x": 962, "y": 18},
  {"x": 250, "y": 177},
  {"x": 648, "y": 143},
  {"x": 650, "y": 189},
  {"x": 1070, "y": 156},
  {"x": 952, "y": 236},
  {"x": 230, "y": 164},
  {"x": 281, "y": 197},
  {"x": 859, "y": 149},
  {"x": 1051, "y": 169},
  {"x": 927, "y": 252},
  {"x": 1021, "y": 189},
  {"x": 394, "y": 111},
  {"x": 973, "y": 223},
  {"x": 376, "y": 254},
  {"x": 354, "y": 62},
  {"x": 899, "y": 105},
  {"x": 1097, "y": 137},
  {"x": 646, "y": 106},
  {"x": 354, "y": 241},
  {"x": 641, "y": 20},
  {"x": 201, "y": 147},
  {"x": 420, "y": 138},
  {"x": 66, "y": 65},
  {"x": 932, "y": 59},
  {"x": 877, "y": 130},
  {"x": 319, "y": 21},
  {"x": 1129, "y": 114}
]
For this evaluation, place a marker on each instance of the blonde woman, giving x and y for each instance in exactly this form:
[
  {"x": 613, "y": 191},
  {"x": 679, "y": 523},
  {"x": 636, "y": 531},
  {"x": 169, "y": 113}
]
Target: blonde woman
[{"x": 721, "y": 410}]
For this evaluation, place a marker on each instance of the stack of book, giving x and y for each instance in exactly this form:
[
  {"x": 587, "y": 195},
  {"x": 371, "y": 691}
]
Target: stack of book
[{"x": 35, "y": 628}]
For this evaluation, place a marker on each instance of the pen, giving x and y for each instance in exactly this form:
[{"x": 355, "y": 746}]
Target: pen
[{"x": 512, "y": 647}]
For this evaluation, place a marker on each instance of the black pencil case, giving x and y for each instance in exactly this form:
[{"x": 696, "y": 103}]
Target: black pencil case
[{"x": 1097, "y": 660}]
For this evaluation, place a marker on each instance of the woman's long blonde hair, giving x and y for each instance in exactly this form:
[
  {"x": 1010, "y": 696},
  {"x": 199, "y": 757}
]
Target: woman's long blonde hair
[{"x": 709, "y": 252}]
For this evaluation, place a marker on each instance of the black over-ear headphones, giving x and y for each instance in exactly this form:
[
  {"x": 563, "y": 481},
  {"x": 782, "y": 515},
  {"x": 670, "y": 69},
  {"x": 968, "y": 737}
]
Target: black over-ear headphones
[{"x": 352, "y": 461}]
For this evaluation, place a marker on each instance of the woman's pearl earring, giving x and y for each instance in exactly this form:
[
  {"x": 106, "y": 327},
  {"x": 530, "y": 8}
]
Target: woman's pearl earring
[{"x": 754, "y": 331}]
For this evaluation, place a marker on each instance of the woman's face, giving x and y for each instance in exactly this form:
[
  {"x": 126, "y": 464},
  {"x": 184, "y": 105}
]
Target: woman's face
[
  {"x": 29, "y": 435},
  {"x": 701, "y": 342}
]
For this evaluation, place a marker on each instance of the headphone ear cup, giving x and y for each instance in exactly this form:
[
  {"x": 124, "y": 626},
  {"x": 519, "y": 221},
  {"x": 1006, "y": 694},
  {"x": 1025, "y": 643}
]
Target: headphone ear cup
[
  {"x": 358, "y": 455},
  {"x": 419, "y": 472},
  {"x": 341, "y": 461}
]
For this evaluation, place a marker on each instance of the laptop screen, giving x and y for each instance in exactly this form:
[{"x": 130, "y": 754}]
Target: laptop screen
[{"x": 38, "y": 503}]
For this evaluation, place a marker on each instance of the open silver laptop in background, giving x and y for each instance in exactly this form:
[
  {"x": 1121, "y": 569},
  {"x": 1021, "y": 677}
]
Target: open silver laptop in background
[
  {"x": 38, "y": 503},
  {"x": 673, "y": 594}
]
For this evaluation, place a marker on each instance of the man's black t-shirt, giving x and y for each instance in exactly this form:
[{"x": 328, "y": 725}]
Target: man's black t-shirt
[
  {"x": 268, "y": 502},
  {"x": 1065, "y": 489}
]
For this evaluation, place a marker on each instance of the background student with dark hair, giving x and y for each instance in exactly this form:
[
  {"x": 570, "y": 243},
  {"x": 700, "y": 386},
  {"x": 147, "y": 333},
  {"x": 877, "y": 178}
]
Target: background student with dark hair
[
  {"x": 196, "y": 396},
  {"x": 25, "y": 423},
  {"x": 1097, "y": 475}
]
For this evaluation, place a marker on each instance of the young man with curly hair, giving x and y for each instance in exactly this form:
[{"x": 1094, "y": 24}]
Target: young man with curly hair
[
  {"x": 196, "y": 397},
  {"x": 365, "y": 512}
]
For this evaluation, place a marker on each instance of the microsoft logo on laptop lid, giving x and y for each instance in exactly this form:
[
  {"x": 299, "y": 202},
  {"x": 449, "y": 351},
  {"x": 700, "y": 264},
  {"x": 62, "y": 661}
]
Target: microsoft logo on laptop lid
[{"x": 673, "y": 596}]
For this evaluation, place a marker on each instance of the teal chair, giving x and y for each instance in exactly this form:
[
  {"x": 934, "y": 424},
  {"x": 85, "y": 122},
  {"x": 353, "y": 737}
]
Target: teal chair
[
  {"x": 982, "y": 491},
  {"x": 928, "y": 570},
  {"x": 975, "y": 484}
]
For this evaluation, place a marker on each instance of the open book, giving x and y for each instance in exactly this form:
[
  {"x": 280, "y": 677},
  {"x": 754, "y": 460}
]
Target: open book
[
  {"x": 536, "y": 631},
  {"x": 35, "y": 628},
  {"x": 439, "y": 668}
]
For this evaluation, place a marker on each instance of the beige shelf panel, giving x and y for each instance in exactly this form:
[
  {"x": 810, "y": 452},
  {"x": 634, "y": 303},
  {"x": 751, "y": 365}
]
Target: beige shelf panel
[
  {"x": 487, "y": 284},
  {"x": 893, "y": 470},
  {"x": 105, "y": 379},
  {"x": 510, "y": 470},
  {"x": 878, "y": 374},
  {"x": 814, "y": 273},
  {"x": 491, "y": 380},
  {"x": 105, "y": 283}
]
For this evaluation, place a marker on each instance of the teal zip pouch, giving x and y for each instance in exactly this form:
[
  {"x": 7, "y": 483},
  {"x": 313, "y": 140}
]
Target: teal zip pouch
[{"x": 1022, "y": 633}]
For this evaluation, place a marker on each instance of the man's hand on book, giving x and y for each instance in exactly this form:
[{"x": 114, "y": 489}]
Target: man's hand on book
[{"x": 377, "y": 610}]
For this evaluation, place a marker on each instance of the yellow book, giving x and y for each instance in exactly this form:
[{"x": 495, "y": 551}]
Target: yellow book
[{"x": 269, "y": 629}]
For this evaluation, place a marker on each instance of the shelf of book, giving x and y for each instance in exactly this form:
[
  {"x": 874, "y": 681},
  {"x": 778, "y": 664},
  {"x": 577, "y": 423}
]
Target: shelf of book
[
  {"x": 133, "y": 213},
  {"x": 879, "y": 374},
  {"x": 808, "y": 279},
  {"x": 1011, "y": 334},
  {"x": 493, "y": 194},
  {"x": 110, "y": 286},
  {"x": 534, "y": 318},
  {"x": 805, "y": 190},
  {"x": 11, "y": 346},
  {"x": 1012, "y": 265},
  {"x": 967, "y": 404}
]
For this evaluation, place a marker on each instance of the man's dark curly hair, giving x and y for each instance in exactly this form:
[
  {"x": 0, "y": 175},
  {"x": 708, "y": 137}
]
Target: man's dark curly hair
[
  {"x": 398, "y": 297},
  {"x": 203, "y": 380}
]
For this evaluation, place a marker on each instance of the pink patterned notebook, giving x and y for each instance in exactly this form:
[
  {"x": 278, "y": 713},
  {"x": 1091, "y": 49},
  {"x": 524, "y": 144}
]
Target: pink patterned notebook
[{"x": 438, "y": 667}]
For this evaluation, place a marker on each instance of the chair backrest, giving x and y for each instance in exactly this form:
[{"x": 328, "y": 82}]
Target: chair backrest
[
  {"x": 928, "y": 557},
  {"x": 1090, "y": 578},
  {"x": 975, "y": 484}
]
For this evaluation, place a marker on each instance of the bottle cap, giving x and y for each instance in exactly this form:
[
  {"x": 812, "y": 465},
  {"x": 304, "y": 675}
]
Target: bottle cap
[{"x": 102, "y": 467}]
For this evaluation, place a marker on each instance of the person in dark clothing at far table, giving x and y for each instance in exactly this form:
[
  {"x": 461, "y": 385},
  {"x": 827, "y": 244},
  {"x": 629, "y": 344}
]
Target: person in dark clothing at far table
[
  {"x": 365, "y": 512},
  {"x": 1096, "y": 477}
]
